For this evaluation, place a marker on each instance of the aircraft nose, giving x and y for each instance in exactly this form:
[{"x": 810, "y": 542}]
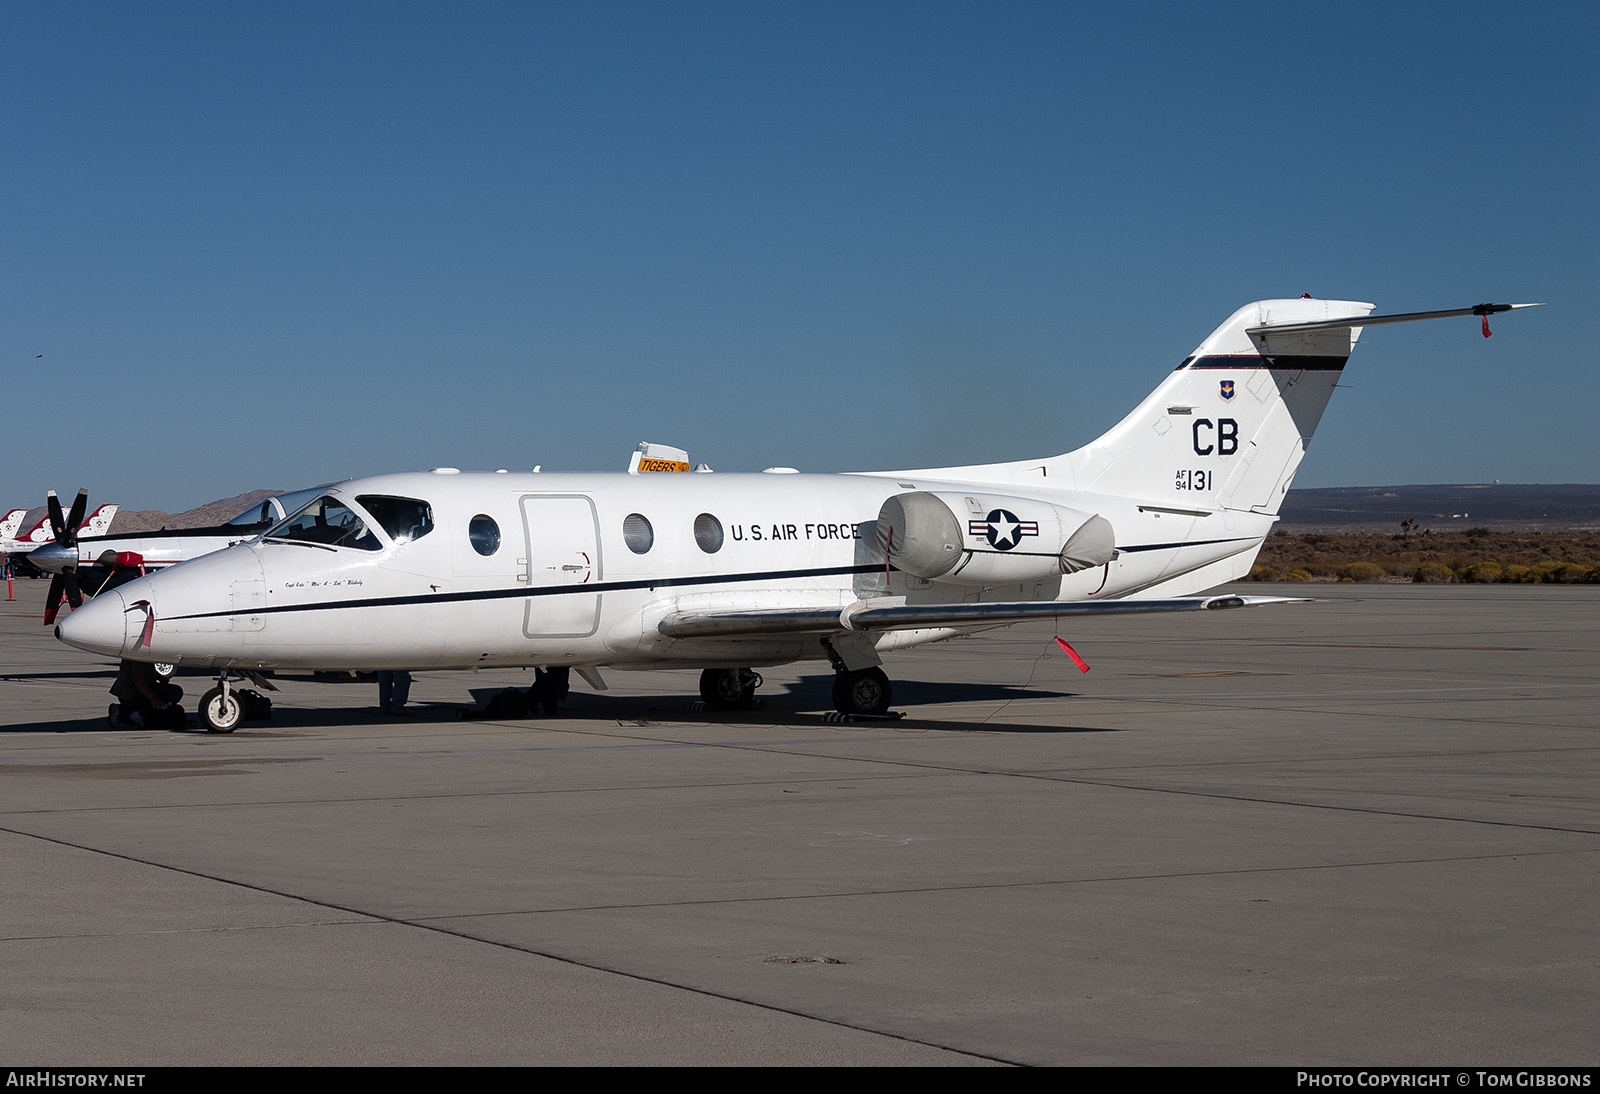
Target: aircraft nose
[{"x": 100, "y": 626}]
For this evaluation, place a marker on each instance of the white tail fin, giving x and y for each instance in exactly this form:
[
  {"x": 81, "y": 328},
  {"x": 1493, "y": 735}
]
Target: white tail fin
[
  {"x": 11, "y": 522},
  {"x": 40, "y": 533},
  {"x": 99, "y": 522},
  {"x": 1228, "y": 428}
]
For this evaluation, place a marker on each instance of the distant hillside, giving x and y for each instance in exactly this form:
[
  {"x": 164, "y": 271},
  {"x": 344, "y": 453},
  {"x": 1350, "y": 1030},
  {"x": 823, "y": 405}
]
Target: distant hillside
[
  {"x": 1508, "y": 506},
  {"x": 201, "y": 516},
  {"x": 130, "y": 521}
]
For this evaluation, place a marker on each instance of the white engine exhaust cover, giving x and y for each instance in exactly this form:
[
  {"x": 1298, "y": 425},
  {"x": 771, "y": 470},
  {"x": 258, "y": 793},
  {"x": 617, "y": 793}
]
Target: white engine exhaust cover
[{"x": 989, "y": 539}]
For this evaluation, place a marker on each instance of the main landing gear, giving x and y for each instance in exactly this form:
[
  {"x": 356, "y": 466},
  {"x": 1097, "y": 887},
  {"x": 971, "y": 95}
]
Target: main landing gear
[
  {"x": 860, "y": 691},
  {"x": 729, "y": 689},
  {"x": 864, "y": 691}
]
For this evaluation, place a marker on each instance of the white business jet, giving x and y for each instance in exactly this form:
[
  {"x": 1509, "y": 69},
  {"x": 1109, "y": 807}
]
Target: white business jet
[{"x": 726, "y": 572}]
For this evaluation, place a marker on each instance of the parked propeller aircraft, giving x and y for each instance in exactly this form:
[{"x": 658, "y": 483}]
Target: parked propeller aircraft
[{"x": 730, "y": 572}]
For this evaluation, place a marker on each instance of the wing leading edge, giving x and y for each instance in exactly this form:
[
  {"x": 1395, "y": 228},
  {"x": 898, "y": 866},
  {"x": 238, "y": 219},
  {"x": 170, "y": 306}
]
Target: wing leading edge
[{"x": 862, "y": 617}]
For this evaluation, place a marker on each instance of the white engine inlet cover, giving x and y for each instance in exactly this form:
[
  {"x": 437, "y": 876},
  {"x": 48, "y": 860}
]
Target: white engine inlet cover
[{"x": 989, "y": 539}]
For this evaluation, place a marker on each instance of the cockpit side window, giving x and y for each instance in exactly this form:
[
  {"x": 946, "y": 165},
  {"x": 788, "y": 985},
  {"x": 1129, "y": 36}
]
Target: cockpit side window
[
  {"x": 254, "y": 516},
  {"x": 274, "y": 508},
  {"x": 405, "y": 519},
  {"x": 328, "y": 520}
]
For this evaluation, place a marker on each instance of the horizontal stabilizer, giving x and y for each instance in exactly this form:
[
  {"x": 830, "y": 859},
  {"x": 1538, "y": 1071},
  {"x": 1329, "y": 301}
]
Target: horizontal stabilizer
[
  {"x": 1379, "y": 320},
  {"x": 745, "y": 624}
]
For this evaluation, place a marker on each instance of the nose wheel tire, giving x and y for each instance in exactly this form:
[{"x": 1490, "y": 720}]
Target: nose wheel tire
[
  {"x": 164, "y": 671},
  {"x": 865, "y": 691},
  {"x": 220, "y": 714},
  {"x": 728, "y": 689}
]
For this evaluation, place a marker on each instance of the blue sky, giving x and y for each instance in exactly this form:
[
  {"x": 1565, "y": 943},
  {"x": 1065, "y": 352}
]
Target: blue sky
[{"x": 273, "y": 245}]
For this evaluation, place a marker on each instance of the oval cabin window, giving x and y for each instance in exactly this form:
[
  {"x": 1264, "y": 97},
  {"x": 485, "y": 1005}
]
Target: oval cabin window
[
  {"x": 637, "y": 533},
  {"x": 484, "y": 534},
  {"x": 708, "y": 533}
]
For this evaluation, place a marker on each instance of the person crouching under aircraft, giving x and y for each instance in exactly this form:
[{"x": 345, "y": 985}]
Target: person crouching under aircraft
[{"x": 140, "y": 693}]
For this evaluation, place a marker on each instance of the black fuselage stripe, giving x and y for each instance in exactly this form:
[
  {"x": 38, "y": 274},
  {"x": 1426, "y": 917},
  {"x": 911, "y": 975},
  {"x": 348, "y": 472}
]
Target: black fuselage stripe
[
  {"x": 549, "y": 590},
  {"x": 1282, "y": 362},
  {"x": 1190, "y": 543},
  {"x": 609, "y": 586}
]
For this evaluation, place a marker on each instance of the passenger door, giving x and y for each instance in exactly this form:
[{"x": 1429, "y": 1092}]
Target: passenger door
[{"x": 562, "y": 538}]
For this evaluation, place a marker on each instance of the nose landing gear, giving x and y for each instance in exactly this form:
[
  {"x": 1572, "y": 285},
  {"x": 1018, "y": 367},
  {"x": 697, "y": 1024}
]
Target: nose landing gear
[
  {"x": 220, "y": 709},
  {"x": 223, "y": 708}
]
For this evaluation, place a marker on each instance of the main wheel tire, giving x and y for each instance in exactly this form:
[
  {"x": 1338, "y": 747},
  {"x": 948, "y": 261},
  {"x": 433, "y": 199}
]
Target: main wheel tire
[
  {"x": 220, "y": 715},
  {"x": 164, "y": 671},
  {"x": 865, "y": 691},
  {"x": 728, "y": 689}
]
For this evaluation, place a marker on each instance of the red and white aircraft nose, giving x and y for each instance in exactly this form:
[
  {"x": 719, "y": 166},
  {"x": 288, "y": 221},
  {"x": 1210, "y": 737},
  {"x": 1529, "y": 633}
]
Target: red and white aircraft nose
[{"x": 100, "y": 626}]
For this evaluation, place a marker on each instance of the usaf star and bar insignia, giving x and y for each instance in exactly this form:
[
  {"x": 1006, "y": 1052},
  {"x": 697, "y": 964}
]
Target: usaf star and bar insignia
[{"x": 1002, "y": 529}]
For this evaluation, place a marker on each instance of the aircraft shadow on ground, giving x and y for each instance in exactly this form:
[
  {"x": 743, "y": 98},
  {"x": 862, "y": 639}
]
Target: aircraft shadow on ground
[
  {"x": 816, "y": 693},
  {"x": 803, "y": 702}
]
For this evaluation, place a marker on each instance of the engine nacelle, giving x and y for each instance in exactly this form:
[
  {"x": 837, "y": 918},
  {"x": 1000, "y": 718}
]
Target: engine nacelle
[{"x": 990, "y": 539}]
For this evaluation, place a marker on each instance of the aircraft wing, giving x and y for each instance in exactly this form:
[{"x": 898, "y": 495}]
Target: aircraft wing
[{"x": 744, "y": 624}]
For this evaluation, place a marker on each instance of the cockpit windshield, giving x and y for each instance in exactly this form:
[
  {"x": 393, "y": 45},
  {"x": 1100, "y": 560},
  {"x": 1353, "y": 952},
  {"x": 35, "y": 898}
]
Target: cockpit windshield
[
  {"x": 327, "y": 521},
  {"x": 405, "y": 519}
]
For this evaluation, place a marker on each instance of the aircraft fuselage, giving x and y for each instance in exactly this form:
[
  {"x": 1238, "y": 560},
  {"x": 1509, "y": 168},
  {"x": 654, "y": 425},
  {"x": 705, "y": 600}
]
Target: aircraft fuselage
[{"x": 585, "y": 568}]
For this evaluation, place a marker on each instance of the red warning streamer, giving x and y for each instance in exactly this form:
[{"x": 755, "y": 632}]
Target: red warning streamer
[
  {"x": 1083, "y": 666},
  {"x": 1486, "y": 331},
  {"x": 149, "y": 625}
]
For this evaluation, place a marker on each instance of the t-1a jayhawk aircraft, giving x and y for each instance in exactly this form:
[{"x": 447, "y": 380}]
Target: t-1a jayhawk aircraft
[{"x": 726, "y": 573}]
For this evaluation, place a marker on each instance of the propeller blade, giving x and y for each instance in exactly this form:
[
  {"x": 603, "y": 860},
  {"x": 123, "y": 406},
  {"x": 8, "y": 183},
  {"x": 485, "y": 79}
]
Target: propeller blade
[
  {"x": 52, "y": 600},
  {"x": 75, "y": 518},
  {"x": 74, "y": 594},
  {"x": 58, "y": 525}
]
